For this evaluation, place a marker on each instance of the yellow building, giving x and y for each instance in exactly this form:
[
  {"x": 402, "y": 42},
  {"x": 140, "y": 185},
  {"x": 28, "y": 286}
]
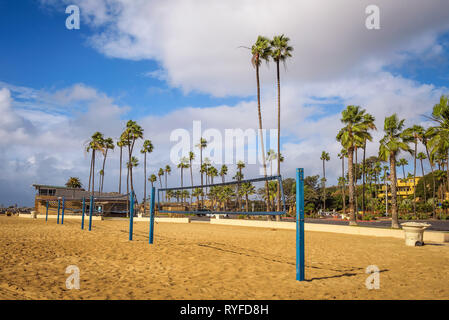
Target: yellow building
[{"x": 405, "y": 188}]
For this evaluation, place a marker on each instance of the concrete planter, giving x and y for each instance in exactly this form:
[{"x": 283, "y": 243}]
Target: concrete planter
[{"x": 414, "y": 233}]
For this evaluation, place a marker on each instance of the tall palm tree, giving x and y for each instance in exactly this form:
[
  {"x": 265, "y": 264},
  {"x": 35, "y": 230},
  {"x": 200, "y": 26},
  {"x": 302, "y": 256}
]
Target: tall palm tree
[
  {"x": 191, "y": 158},
  {"x": 213, "y": 172},
  {"x": 280, "y": 52},
  {"x": 369, "y": 119},
  {"x": 393, "y": 142},
  {"x": 402, "y": 163},
  {"x": 108, "y": 144},
  {"x": 440, "y": 132},
  {"x": 414, "y": 132},
  {"x": 240, "y": 166},
  {"x": 121, "y": 143},
  {"x": 422, "y": 156},
  {"x": 167, "y": 173},
  {"x": 352, "y": 134},
  {"x": 152, "y": 180},
  {"x": 428, "y": 134},
  {"x": 132, "y": 133},
  {"x": 146, "y": 148},
  {"x": 324, "y": 157},
  {"x": 342, "y": 156},
  {"x": 94, "y": 144},
  {"x": 271, "y": 155},
  {"x": 133, "y": 163},
  {"x": 223, "y": 172},
  {"x": 201, "y": 145},
  {"x": 261, "y": 51},
  {"x": 160, "y": 173}
]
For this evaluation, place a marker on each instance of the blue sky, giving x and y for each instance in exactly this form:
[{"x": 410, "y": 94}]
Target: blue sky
[{"x": 166, "y": 64}]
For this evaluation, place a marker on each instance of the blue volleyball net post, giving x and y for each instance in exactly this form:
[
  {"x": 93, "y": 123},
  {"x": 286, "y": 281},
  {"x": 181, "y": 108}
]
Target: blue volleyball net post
[
  {"x": 151, "y": 235},
  {"x": 46, "y": 213},
  {"x": 63, "y": 210},
  {"x": 131, "y": 215},
  {"x": 91, "y": 208},
  {"x": 82, "y": 217},
  {"x": 59, "y": 209},
  {"x": 300, "y": 225}
]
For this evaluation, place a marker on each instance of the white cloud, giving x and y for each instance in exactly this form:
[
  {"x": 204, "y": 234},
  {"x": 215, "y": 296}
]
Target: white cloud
[{"x": 197, "y": 42}]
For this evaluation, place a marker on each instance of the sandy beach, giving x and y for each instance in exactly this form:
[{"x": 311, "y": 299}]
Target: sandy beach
[{"x": 203, "y": 261}]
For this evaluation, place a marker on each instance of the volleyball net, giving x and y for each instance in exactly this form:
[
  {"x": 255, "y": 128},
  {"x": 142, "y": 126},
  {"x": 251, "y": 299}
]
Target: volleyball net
[{"x": 260, "y": 196}]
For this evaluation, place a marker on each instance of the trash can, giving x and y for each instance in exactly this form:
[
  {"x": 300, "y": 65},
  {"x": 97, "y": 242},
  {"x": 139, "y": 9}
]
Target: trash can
[
  {"x": 33, "y": 214},
  {"x": 414, "y": 233}
]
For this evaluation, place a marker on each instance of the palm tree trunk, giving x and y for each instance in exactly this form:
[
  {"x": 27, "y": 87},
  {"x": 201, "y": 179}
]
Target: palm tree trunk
[
  {"x": 353, "y": 220},
  {"x": 261, "y": 140},
  {"x": 355, "y": 183},
  {"x": 145, "y": 183},
  {"x": 424, "y": 181},
  {"x": 104, "y": 163},
  {"x": 433, "y": 179},
  {"x": 447, "y": 175},
  {"x": 90, "y": 172},
  {"x": 120, "y": 178},
  {"x": 363, "y": 178},
  {"x": 278, "y": 218},
  {"x": 394, "y": 203},
  {"x": 93, "y": 171},
  {"x": 324, "y": 186},
  {"x": 191, "y": 180},
  {"x": 414, "y": 177},
  {"x": 344, "y": 186}
]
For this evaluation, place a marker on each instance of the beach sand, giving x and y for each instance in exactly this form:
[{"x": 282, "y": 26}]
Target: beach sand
[{"x": 203, "y": 261}]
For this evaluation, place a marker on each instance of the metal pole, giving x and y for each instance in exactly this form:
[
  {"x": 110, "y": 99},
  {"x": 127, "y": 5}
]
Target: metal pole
[
  {"x": 46, "y": 213},
  {"x": 59, "y": 208},
  {"x": 131, "y": 216},
  {"x": 91, "y": 208},
  {"x": 152, "y": 215},
  {"x": 63, "y": 209},
  {"x": 300, "y": 224},
  {"x": 82, "y": 218}
]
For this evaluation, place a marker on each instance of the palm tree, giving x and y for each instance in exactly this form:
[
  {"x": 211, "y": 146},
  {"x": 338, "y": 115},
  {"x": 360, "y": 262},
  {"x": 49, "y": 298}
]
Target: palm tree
[
  {"x": 73, "y": 182},
  {"x": 261, "y": 51},
  {"x": 422, "y": 156},
  {"x": 247, "y": 189},
  {"x": 223, "y": 172},
  {"x": 213, "y": 172},
  {"x": 197, "y": 192},
  {"x": 94, "y": 144},
  {"x": 191, "y": 158},
  {"x": 414, "y": 132},
  {"x": 121, "y": 143},
  {"x": 152, "y": 180},
  {"x": 428, "y": 134},
  {"x": 134, "y": 162},
  {"x": 324, "y": 157},
  {"x": 160, "y": 173},
  {"x": 167, "y": 173},
  {"x": 402, "y": 163},
  {"x": 440, "y": 133},
  {"x": 240, "y": 166},
  {"x": 201, "y": 145},
  {"x": 342, "y": 156},
  {"x": 271, "y": 155},
  {"x": 146, "y": 148},
  {"x": 183, "y": 164},
  {"x": 280, "y": 52},
  {"x": 132, "y": 133},
  {"x": 108, "y": 144},
  {"x": 369, "y": 120},
  {"x": 352, "y": 134},
  {"x": 393, "y": 142}
]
